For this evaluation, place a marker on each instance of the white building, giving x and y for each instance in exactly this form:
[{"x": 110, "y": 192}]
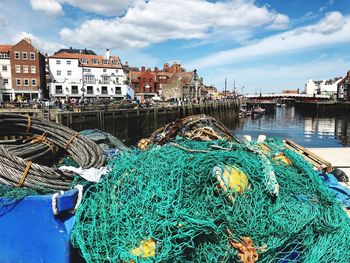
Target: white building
[
  {"x": 325, "y": 87},
  {"x": 84, "y": 75},
  {"x": 311, "y": 87},
  {"x": 5, "y": 73},
  {"x": 330, "y": 86}
]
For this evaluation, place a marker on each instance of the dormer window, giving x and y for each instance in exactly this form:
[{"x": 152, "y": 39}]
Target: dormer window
[
  {"x": 84, "y": 61},
  {"x": 115, "y": 62},
  {"x": 105, "y": 61},
  {"x": 95, "y": 61}
]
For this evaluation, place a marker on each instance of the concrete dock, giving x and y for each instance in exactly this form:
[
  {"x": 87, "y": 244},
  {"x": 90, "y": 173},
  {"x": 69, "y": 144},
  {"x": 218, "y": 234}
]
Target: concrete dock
[{"x": 338, "y": 157}]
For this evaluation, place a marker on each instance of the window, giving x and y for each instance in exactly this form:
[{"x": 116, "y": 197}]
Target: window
[
  {"x": 74, "y": 89},
  {"x": 104, "y": 70},
  {"x": 25, "y": 69},
  {"x": 18, "y": 68},
  {"x": 6, "y": 81},
  {"x": 69, "y": 73},
  {"x": 32, "y": 69},
  {"x": 33, "y": 82},
  {"x": 104, "y": 90},
  {"x": 24, "y": 55},
  {"x": 4, "y": 68},
  {"x": 114, "y": 62},
  {"x": 18, "y": 82},
  {"x": 105, "y": 61},
  {"x": 95, "y": 61},
  {"x": 59, "y": 89},
  {"x": 16, "y": 55},
  {"x": 87, "y": 70},
  {"x": 32, "y": 56},
  {"x": 89, "y": 79},
  {"x": 105, "y": 80},
  {"x": 4, "y": 55},
  {"x": 58, "y": 72},
  {"x": 83, "y": 61},
  {"x": 26, "y": 82},
  {"x": 69, "y": 62},
  {"x": 90, "y": 90},
  {"x": 58, "y": 62},
  {"x": 118, "y": 90}
]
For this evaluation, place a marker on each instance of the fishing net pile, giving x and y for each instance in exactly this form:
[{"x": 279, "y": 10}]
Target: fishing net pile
[{"x": 211, "y": 201}]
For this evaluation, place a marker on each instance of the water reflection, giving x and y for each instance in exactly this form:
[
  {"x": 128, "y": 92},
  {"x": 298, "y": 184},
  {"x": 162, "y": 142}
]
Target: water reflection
[{"x": 311, "y": 129}]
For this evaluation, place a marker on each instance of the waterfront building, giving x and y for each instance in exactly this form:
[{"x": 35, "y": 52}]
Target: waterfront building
[
  {"x": 147, "y": 83},
  {"x": 184, "y": 86},
  {"x": 343, "y": 89},
  {"x": 22, "y": 71},
  {"x": 82, "y": 73},
  {"x": 5, "y": 73},
  {"x": 324, "y": 87},
  {"x": 312, "y": 87}
]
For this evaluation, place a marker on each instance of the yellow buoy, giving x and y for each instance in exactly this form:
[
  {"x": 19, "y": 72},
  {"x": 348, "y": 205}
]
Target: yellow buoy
[
  {"x": 234, "y": 178},
  {"x": 143, "y": 144},
  {"x": 280, "y": 157},
  {"x": 146, "y": 249}
]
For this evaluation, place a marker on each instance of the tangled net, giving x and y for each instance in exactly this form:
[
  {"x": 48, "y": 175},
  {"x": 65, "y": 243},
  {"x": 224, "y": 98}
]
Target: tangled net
[{"x": 166, "y": 205}]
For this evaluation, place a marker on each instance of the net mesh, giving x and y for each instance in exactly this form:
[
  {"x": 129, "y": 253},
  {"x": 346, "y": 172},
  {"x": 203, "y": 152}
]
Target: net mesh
[{"x": 167, "y": 205}]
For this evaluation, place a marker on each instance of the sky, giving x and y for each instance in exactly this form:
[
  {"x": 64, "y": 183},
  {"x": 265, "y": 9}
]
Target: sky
[{"x": 258, "y": 46}]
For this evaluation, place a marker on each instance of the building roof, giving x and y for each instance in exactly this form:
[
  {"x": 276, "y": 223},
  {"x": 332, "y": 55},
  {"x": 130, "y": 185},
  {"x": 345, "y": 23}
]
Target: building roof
[
  {"x": 113, "y": 61},
  {"x": 184, "y": 77},
  {"x": 76, "y": 51},
  {"x": 5, "y": 48}
]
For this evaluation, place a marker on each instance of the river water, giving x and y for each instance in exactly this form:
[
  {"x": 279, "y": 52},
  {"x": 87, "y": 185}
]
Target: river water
[{"x": 310, "y": 129}]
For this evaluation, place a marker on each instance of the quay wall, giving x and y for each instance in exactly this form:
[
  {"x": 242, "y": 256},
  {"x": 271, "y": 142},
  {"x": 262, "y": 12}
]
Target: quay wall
[
  {"x": 132, "y": 124},
  {"x": 324, "y": 106}
]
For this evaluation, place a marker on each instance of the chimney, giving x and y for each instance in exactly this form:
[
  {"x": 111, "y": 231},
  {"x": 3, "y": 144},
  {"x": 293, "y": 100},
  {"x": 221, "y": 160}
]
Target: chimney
[
  {"x": 28, "y": 40},
  {"x": 108, "y": 55},
  {"x": 143, "y": 68}
]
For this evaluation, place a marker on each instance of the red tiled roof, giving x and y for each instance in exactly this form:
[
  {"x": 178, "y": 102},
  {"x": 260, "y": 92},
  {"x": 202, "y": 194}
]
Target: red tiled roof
[
  {"x": 90, "y": 58},
  {"x": 5, "y": 48}
]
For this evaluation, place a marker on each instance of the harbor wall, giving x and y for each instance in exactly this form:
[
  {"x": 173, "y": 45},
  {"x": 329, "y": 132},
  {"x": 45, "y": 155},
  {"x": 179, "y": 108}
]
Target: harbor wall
[{"x": 132, "y": 124}]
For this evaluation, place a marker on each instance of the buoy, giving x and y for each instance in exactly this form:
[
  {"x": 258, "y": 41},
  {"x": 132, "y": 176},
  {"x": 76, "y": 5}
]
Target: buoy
[
  {"x": 146, "y": 249},
  {"x": 280, "y": 157},
  {"x": 232, "y": 177},
  {"x": 143, "y": 144}
]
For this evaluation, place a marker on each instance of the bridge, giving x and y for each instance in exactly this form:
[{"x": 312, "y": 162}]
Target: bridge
[{"x": 294, "y": 96}]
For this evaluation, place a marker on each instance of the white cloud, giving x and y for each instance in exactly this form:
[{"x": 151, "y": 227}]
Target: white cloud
[
  {"x": 42, "y": 45},
  {"x": 160, "y": 20},
  {"x": 102, "y": 7},
  {"x": 333, "y": 22},
  {"x": 280, "y": 22},
  {"x": 51, "y": 7},
  {"x": 318, "y": 35}
]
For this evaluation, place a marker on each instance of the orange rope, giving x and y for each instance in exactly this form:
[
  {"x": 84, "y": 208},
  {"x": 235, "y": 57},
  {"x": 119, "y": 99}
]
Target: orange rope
[
  {"x": 24, "y": 175},
  {"x": 71, "y": 140},
  {"x": 29, "y": 123}
]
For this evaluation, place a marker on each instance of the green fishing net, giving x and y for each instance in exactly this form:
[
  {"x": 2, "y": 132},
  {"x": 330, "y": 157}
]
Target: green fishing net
[{"x": 166, "y": 205}]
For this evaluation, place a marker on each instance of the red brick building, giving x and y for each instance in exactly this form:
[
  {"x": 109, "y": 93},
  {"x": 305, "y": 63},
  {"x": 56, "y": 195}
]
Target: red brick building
[
  {"x": 343, "y": 90},
  {"x": 148, "y": 83},
  {"x": 27, "y": 70}
]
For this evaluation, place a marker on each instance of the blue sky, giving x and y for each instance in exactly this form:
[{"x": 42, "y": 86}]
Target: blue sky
[{"x": 263, "y": 45}]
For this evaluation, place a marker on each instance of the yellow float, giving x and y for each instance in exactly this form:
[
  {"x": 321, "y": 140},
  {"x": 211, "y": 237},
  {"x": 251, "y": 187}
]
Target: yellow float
[
  {"x": 146, "y": 249},
  {"x": 143, "y": 144},
  {"x": 233, "y": 178},
  {"x": 280, "y": 157}
]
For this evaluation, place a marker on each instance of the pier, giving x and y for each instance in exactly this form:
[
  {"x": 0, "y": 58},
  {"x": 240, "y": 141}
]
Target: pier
[{"x": 133, "y": 124}]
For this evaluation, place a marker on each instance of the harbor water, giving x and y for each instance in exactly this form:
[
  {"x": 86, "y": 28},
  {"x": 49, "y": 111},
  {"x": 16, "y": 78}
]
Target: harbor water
[{"x": 310, "y": 129}]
